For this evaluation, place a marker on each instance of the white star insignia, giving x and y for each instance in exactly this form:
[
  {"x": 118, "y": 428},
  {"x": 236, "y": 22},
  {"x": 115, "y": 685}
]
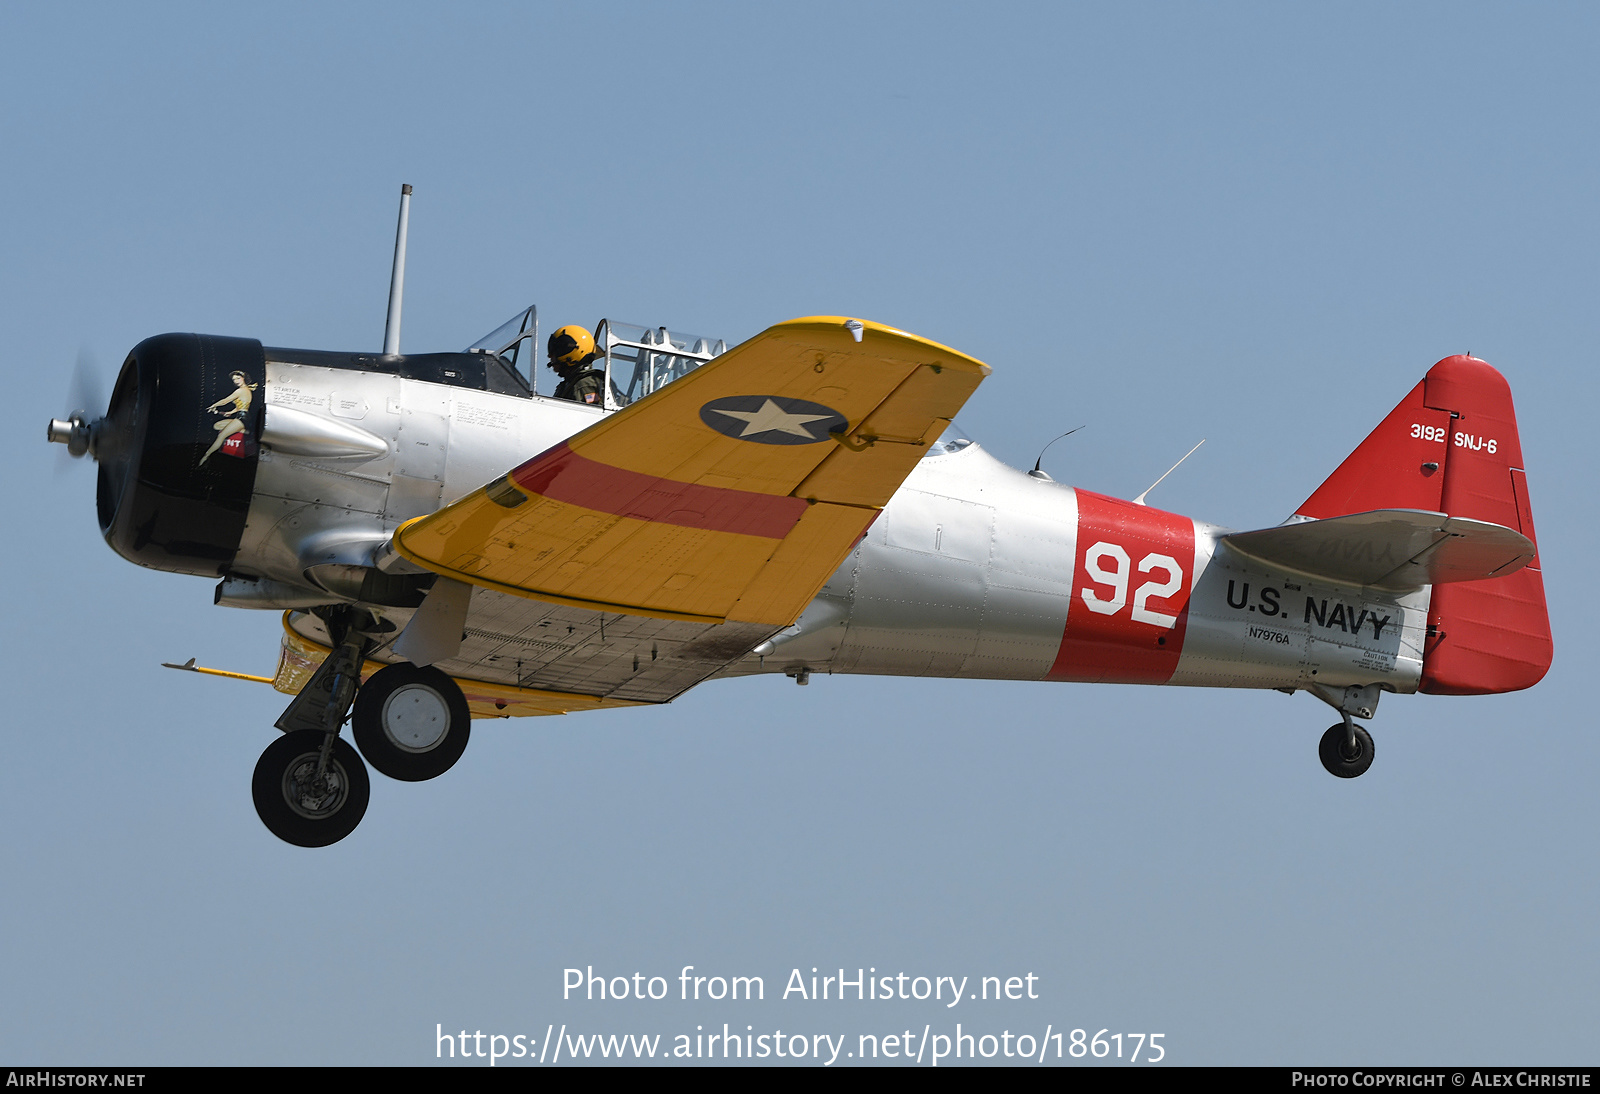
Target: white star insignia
[{"x": 771, "y": 417}]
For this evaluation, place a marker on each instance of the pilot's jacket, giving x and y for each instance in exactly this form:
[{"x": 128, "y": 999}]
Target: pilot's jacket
[{"x": 582, "y": 386}]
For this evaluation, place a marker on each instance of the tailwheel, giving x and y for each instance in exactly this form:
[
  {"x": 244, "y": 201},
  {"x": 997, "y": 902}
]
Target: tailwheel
[
  {"x": 1346, "y": 750},
  {"x": 411, "y": 722},
  {"x": 305, "y": 798}
]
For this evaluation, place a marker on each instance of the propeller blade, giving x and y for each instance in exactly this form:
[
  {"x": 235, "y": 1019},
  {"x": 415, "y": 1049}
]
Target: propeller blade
[
  {"x": 86, "y": 403},
  {"x": 88, "y": 390}
]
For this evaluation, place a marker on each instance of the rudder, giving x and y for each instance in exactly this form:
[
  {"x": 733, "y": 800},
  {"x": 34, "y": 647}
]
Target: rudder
[{"x": 1485, "y": 636}]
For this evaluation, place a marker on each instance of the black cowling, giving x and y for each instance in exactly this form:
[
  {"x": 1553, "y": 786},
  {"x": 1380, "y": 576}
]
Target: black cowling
[{"x": 167, "y": 498}]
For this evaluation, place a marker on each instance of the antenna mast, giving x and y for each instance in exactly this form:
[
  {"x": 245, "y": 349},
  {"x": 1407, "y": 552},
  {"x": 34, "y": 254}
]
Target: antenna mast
[
  {"x": 397, "y": 278},
  {"x": 1140, "y": 499}
]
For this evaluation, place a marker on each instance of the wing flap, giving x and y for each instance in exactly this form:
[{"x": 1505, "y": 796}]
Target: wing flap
[
  {"x": 774, "y": 456},
  {"x": 1394, "y": 549},
  {"x": 791, "y": 576}
]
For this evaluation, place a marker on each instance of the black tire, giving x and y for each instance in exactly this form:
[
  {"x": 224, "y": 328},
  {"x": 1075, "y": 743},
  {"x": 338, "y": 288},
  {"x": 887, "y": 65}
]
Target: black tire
[
  {"x": 1332, "y": 752},
  {"x": 299, "y": 813},
  {"x": 411, "y": 723}
]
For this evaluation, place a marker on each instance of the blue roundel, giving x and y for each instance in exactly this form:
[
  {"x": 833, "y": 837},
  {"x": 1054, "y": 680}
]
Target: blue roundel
[{"x": 772, "y": 419}]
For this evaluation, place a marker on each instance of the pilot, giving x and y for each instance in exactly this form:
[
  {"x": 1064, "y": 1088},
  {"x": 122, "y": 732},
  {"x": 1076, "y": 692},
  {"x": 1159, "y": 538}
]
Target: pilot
[{"x": 572, "y": 349}]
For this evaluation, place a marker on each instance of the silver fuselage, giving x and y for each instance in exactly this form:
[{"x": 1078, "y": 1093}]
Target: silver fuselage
[{"x": 974, "y": 569}]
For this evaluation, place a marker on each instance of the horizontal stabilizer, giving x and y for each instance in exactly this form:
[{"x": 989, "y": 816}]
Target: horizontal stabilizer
[{"x": 1394, "y": 549}]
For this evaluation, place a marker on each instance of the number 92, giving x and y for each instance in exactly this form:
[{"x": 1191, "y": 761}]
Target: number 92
[{"x": 1108, "y": 564}]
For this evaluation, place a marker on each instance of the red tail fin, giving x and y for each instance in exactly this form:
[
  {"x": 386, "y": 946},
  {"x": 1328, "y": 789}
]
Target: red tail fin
[{"x": 1452, "y": 446}]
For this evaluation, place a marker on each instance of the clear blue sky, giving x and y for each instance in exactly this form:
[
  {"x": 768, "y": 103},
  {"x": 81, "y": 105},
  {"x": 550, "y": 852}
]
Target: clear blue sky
[{"x": 1258, "y": 224}]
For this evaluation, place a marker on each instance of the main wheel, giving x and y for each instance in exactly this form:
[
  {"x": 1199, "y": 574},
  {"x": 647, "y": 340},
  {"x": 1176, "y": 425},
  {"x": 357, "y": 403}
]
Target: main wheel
[
  {"x": 301, "y": 808},
  {"x": 1338, "y": 759},
  {"x": 411, "y": 723}
]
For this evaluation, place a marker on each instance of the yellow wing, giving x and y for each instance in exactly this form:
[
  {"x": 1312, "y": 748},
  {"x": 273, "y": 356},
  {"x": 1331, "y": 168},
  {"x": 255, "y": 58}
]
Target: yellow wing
[{"x": 731, "y": 494}]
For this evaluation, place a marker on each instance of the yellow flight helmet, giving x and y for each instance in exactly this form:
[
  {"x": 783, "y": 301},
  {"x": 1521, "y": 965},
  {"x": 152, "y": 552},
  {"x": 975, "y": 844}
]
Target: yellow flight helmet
[{"x": 569, "y": 346}]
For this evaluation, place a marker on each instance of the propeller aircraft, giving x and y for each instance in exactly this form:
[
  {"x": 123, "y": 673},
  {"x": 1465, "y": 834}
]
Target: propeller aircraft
[{"x": 446, "y": 542}]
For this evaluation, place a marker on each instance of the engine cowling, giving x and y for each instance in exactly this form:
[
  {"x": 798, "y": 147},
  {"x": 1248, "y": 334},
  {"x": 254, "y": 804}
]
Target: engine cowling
[{"x": 177, "y": 451}]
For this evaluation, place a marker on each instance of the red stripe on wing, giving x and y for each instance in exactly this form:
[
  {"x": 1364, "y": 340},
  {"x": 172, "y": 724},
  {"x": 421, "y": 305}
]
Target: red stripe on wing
[{"x": 562, "y": 475}]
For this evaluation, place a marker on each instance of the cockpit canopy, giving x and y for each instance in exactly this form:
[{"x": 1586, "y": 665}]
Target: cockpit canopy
[
  {"x": 636, "y": 360},
  {"x": 515, "y": 342},
  {"x": 639, "y": 360}
]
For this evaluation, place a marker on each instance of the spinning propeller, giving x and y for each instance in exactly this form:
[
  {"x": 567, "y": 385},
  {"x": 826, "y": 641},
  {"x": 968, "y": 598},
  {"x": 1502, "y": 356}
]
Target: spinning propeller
[
  {"x": 78, "y": 431},
  {"x": 108, "y": 438}
]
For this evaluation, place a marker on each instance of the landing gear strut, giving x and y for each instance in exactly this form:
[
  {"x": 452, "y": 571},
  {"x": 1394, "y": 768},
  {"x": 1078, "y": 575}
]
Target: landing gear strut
[
  {"x": 310, "y": 786},
  {"x": 1346, "y": 749},
  {"x": 410, "y": 722}
]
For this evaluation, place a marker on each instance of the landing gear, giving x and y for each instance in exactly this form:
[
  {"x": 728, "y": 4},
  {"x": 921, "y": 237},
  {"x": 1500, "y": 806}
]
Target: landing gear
[
  {"x": 411, "y": 723},
  {"x": 310, "y": 788},
  {"x": 1346, "y": 750}
]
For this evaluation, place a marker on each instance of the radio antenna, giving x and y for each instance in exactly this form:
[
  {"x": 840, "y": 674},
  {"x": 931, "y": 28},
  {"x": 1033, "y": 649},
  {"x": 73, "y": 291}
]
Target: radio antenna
[
  {"x": 1036, "y": 472},
  {"x": 397, "y": 278},
  {"x": 1140, "y": 499}
]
